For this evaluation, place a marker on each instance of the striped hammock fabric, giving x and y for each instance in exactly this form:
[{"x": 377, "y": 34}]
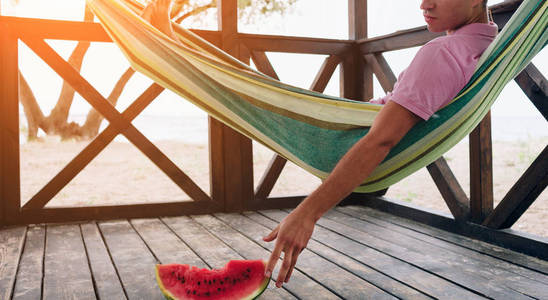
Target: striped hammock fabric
[{"x": 311, "y": 129}]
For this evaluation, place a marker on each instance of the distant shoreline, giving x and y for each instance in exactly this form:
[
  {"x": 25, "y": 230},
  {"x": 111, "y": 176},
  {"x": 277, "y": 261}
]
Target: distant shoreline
[{"x": 191, "y": 128}]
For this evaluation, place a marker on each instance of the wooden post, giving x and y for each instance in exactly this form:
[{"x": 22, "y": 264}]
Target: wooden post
[
  {"x": 356, "y": 78},
  {"x": 231, "y": 164},
  {"x": 481, "y": 171},
  {"x": 9, "y": 127}
]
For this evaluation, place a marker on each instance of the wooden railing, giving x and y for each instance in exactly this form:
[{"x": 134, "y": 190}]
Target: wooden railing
[{"x": 231, "y": 166}]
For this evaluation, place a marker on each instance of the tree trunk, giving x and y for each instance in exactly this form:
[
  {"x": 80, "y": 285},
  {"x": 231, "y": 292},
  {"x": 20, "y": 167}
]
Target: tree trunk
[
  {"x": 93, "y": 121},
  {"x": 58, "y": 117},
  {"x": 33, "y": 113}
]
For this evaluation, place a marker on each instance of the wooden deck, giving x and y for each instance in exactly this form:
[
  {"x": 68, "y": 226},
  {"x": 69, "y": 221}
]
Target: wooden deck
[{"x": 355, "y": 253}]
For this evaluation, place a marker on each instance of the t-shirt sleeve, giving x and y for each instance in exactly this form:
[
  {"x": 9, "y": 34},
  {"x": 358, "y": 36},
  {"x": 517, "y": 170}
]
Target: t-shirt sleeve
[{"x": 431, "y": 81}]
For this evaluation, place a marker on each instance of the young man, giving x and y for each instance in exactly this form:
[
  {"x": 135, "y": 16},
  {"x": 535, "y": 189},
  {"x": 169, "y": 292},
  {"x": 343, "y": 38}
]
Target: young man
[{"x": 438, "y": 72}]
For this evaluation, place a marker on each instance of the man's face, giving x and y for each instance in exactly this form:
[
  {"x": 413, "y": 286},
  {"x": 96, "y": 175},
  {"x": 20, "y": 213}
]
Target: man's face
[{"x": 447, "y": 15}]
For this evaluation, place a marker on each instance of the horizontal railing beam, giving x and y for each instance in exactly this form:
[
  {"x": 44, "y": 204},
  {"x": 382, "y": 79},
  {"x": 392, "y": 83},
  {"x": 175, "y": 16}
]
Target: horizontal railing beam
[{"x": 290, "y": 44}]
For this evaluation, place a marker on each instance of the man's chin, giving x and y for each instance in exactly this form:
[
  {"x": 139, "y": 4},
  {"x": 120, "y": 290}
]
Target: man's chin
[{"x": 434, "y": 29}]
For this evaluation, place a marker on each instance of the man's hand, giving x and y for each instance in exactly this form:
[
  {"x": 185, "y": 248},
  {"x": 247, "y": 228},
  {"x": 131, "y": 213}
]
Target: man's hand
[{"x": 292, "y": 235}]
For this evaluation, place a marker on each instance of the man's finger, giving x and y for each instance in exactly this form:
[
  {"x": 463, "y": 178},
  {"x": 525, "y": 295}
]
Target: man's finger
[
  {"x": 285, "y": 267},
  {"x": 293, "y": 263},
  {"x": 272, "y": 235},
  {"x": 273, "y": 260}
]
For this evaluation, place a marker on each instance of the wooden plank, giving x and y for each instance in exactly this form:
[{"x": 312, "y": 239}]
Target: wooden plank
[
  {"x": 271, "y": 175},
  {"x": 108, "y": 212},
  {"x": 216, "y": 161},
  {"x": 209, "y": 248},
  {"x": 395, "y": 268},
  {"x": 10, "y": 195},
  {"x": 66, "y": 270},
  {"x": 302, "y": 284},
  {"x": 351, "y": 77},
  {"x": 290, "y": 44},
  {"x": 447, "y": 264},
  {"x": 357, "y": 19},
  {"x": 277, "y": 203},
  {"x": 243, "y": 246},
  {"x": 481, "y": 171},
  {"x": 106, "y": 280},
  {"x": 477, "y": 245},
  {"x": 165, "y": 245},
  {"x": 11, "y": 245},
  {"x": 400, "y": 39},
  {"x": 78, "y": 31},
  {"x": 84, "y": 88},
  {"x": 132, "y": 259},
  {"x": 382, "y": 71},
  {"x": 509, "y": 268},
  {"x": 450, "y": 189},
  {"x": 29, "y": 276},
  {"x": 83, "y": 158},
  {"x": 535, "y": 86},
  {"x": 231, "y": 162},
  {"x": 522, "y": 194},
  {"x": 508, "y": 238},
  {"x": 57, "y": 29},
  {"x": 263, "y": 64},
  {"x": 325, "y": 73},
  {"x": 370, "y": 276},
  {"x": 357, "y": 29}
]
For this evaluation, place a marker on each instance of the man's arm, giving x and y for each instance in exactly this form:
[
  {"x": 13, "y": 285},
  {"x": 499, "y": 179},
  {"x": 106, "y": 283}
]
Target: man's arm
[{"x": 293, "y": 233}]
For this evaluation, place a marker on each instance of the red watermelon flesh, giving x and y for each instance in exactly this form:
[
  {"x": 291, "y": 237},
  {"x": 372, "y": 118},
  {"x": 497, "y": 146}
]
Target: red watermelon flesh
[{"x": 239, "y": 279}]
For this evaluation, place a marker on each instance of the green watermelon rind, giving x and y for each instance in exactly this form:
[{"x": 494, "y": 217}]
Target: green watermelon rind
[
  {"x": 166, "y": 293},
  {"x": 170, "y": 296},
  {"x": 260, "y": 290}
]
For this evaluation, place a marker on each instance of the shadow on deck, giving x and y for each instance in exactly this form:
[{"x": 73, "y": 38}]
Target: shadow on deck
[{"x": 355, "y": 253}]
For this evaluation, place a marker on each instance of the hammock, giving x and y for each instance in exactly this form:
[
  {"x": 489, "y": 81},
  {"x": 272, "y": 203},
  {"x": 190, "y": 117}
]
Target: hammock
[{"x": 314, "y": 130}]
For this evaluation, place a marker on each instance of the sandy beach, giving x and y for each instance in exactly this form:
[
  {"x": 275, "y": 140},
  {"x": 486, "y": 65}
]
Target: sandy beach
[{"x": 121, "y": 174}]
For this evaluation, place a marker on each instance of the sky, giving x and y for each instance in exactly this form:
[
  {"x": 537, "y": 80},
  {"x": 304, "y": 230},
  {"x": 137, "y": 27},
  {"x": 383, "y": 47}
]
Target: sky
[{"x": 311, "y": 18}]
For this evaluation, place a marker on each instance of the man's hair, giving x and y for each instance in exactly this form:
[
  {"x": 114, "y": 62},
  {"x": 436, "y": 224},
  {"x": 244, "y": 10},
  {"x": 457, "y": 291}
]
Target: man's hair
[{"x": 485, "y": 2}]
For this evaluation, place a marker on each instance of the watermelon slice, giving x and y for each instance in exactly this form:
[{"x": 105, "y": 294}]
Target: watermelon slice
[{"x": 239, "y": 279}]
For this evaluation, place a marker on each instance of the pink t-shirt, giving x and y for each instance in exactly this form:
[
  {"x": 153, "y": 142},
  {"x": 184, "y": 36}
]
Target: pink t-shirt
[{"x": 441, "y": 69}]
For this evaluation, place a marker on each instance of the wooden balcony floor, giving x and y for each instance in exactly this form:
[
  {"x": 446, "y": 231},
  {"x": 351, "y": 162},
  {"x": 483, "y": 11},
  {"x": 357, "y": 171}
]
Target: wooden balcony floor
[{"x": 355, "y": 253}]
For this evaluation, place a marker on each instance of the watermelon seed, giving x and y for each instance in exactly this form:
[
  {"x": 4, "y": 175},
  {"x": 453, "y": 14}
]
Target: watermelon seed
[
  {"x": 248, "y": 270},
  {"x": 218, "y": 289},
  {"x": 194, "y": 292},
  {"x": 207, "y": 294},
  {"x": 199, "y": 282},
  {"x": 221, "y": 282},
  {"x": 213, "y": 280}
]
